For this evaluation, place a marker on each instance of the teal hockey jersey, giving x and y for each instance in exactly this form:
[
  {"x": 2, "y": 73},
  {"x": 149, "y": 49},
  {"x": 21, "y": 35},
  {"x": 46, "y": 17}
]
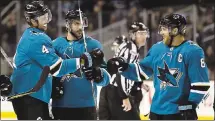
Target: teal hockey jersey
[
  {"x": 180, "y": 75},
  {"x": 77, "y": 90},
  {"x": 34, "y": 51}
]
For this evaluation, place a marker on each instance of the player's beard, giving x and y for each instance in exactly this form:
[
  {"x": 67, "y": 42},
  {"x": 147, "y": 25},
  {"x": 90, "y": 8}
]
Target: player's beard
[
  {"x": 78, "y": 34},
  {"x": 166, "y": 40}
]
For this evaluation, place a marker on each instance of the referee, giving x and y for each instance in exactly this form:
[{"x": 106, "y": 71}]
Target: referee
[{"x": 121, "y": 98}]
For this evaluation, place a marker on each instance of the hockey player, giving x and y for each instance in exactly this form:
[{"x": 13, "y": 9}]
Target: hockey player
[
  {"x": 120, "y": 100},
  {"x": 34, "y": 51},
  {"x": 79, "y": 97},
  {"x": 179, "y": 72}
]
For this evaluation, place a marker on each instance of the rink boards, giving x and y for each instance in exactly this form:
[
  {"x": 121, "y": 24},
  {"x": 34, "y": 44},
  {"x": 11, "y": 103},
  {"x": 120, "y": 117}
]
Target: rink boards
[{"x": 205, "y": 109}]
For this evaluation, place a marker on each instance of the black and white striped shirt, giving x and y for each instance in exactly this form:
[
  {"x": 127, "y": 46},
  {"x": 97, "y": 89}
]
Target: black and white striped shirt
[{"x": 129, "y": 51}]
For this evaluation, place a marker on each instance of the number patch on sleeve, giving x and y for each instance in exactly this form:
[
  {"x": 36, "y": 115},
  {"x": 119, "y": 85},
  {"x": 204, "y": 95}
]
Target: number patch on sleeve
[
  {"x": 44, "y": 49},
  {"x": 202, "y": 62}
]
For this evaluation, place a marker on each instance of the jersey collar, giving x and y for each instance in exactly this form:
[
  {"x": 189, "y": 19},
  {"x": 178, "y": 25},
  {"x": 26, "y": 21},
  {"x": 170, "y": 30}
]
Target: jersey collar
[{"x": 36, "y": 29}]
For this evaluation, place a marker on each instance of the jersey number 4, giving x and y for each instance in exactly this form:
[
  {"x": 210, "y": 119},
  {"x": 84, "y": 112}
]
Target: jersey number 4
[{"x": 44, "y": 49}]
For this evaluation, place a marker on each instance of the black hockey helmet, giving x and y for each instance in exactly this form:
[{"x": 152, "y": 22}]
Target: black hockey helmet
[
  {"x": 36, "y": 9},
  {"x": 138, "y": 26},
  {"x": 175, "y": 22},
  {"x": 75, "y": 15}
]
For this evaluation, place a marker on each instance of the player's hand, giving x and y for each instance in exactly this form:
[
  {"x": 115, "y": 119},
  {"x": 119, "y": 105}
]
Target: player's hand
[
  {"x": 92, "y": 59},
  {"x": 126, "y": 105},
  {"x": 116, "y": 65},
  {"x": 5, "y": 85},
  {"x": 93, "y": 74},
  {"x": 188, "y": 112}
]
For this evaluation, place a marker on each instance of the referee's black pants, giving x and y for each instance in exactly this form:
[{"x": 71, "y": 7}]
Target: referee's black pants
[
  {"x": 110, "y": 106},
  {"x": 29, "y": 108}
]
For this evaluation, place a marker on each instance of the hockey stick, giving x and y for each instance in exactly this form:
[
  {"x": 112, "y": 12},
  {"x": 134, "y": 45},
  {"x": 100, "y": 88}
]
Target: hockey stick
[
  {"x": 81, "y": 20},
  {"x": 43, "y": 76},
  {"x": 85, "y": 46},
  {"x": 6, "y": 57},
  {"x": 39, "y": 84}
]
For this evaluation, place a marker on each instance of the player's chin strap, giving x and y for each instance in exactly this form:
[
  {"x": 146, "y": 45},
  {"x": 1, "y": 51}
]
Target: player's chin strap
[{"x": 171, "y": 40}]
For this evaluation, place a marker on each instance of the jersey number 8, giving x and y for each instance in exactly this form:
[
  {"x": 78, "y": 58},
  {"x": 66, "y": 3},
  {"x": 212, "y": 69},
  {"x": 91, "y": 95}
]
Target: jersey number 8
[{"x": 202, "y": 62}]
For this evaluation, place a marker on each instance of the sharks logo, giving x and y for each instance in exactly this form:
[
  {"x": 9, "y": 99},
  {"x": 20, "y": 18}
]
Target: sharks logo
[
  {"x": 169, "y": 77},
  {"x": 77, "y": 74},
  {"x": 69, "y": 53}
]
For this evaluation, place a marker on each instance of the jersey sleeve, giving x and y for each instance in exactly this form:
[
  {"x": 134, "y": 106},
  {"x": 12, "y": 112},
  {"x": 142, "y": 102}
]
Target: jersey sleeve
[
  {"x": 106, "y": 78},
  {"x": 44, "y": 54},
  {"x": 94, "y": 44},
  {"x": 198, "y": 74},
  {"x": 58, "y": 46},
  {"x": 141, "y": 70}
]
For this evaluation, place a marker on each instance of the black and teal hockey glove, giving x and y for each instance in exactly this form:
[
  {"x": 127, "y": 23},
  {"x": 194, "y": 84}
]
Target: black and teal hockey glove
[
  {"x": 92, "y": 59},
  {"x": 57, "y": 88},
  {"x": 93, "y": 74},
  {"x": 115, "y": 65}
]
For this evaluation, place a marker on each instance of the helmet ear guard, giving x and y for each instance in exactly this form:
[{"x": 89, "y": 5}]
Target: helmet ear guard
[
  {"x": 183, "y": 30},
  {"x": 174, "y": 32},
  {"x": 68, "y": 26}
]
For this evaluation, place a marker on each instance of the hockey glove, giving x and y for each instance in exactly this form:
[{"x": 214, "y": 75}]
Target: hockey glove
[
  {"x": 188, "y": 111},
  {"x": 5, "y": 85},
  {"x": 92, "y": 59},
  {"x": 93, "y": 74},
  {"x": 116, "y": 65},
  {"x": 57, "y": 88}
]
